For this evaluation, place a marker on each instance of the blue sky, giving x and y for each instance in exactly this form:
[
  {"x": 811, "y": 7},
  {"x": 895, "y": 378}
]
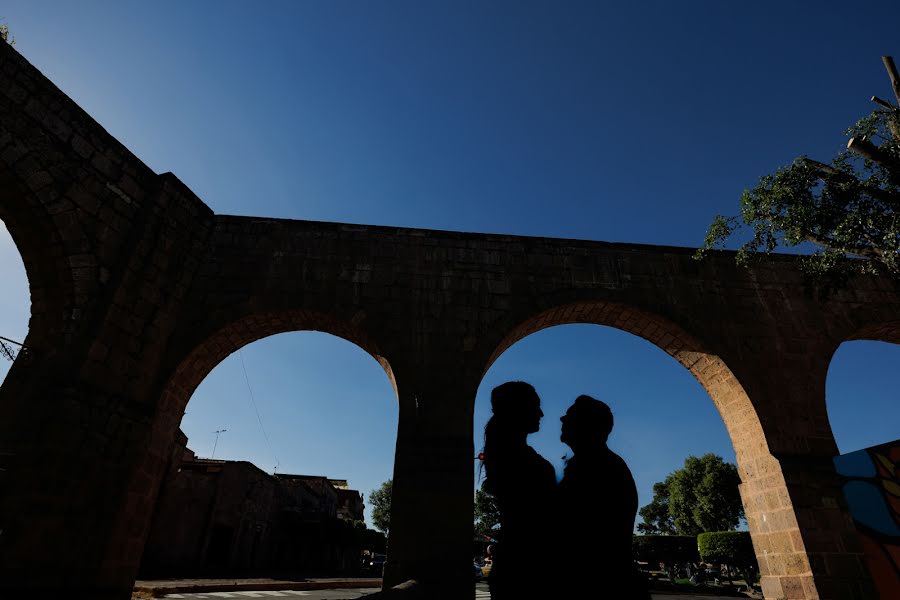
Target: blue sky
[{"x": 633, "y": 124}]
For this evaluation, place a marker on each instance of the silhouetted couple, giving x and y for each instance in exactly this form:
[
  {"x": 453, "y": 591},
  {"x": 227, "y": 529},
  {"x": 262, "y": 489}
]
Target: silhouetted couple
[{"x": 575, "y": 535}]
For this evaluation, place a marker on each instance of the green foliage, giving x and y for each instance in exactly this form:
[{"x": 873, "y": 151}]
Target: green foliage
[
  {"x": 487, "y": 515},
  {"x": 726, "y": 547},
  {"x": 701, "y": 496},
  {"x": 669, "y": 549},
  {"x": 844, "y": 210},
  {"x": 732, "y": 548},
  {"x": 380, "y": 500},
  {"x": 657, "y": 519},
  {"x": 5, "y": 36}
]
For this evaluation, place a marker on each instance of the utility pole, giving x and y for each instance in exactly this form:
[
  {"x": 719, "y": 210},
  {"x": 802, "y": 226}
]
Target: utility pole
[{"x": 217, "y": 432}]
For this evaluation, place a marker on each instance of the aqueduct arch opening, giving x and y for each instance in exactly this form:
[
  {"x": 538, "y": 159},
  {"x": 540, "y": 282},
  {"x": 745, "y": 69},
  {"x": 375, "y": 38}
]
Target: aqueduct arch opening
[
  {"x": 770, "y": 523},
  {"x": 50, "y": 274},
  {"x": 862, "y": 413},
  {"x": 299, "y": 406},
  {"x": 15, "y": 302},
  {"x": 861, "y": 394},
  {"x": 200, "y": 355}
]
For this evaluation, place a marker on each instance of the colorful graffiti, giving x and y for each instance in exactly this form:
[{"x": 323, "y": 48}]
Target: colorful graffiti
[{"x": 872, "y": 490}]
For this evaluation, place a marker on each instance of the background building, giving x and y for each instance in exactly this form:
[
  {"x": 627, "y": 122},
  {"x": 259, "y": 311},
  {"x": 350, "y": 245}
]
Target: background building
[{"x": 222, "y": 516}]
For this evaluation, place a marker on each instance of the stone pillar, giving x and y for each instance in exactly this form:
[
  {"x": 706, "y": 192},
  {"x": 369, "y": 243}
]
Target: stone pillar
[
  {"x": 803, "y": 535},
  {"x": 82, "y": 444},
  {"x": 67, "y": 452},
  {"x": 431, "y": 528}
]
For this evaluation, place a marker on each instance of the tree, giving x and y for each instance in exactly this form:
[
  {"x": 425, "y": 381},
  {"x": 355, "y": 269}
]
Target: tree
[
  {"x": 487, "y": 515},
  {"x": 380, "y": 500},
  {"x": 844, "y": 210},
  {"x": 657, "y": 519},
  {"x": 4, "y": 35},
  {"x": 701, "y": 496},
  {"x": 732, "y": 548}
]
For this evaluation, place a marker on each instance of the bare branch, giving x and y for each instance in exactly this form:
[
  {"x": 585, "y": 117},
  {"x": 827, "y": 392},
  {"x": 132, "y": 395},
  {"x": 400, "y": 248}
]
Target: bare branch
[
  {"x": 820, "y": 166},
  {"x": 865, "y": 148},
  {"x": 827, "y": 242},
  {"x": 872, "y": 190},
  {"x": 892, "y": 73},
  {"x": 883, "y": 103}
]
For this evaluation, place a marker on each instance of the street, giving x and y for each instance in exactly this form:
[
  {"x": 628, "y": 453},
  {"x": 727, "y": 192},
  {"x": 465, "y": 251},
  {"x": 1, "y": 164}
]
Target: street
[{"x": 481, "y": 593}]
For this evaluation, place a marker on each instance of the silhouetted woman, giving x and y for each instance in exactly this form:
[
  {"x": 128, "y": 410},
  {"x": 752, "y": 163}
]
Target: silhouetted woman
[{"x": 524, "y": 486}]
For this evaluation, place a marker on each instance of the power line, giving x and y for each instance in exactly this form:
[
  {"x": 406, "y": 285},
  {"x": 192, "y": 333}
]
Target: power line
[
  {"x": 217, "y": 432},
  {"x": 256, "y": 410}
]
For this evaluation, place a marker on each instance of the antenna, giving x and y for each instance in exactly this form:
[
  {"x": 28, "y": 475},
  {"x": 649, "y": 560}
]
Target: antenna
[{"x": 217, "y": 432}]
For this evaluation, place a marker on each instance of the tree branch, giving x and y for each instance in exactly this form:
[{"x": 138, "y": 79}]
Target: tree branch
[
  {"x": 827, "y": 242},
  {"x": 873, "y": 191},
  {"x": 883, "y": 103},
  {"x": 820, "y": 166},
  {"x": 865, "y": 148},
  {"x": 892, "y": 73}
]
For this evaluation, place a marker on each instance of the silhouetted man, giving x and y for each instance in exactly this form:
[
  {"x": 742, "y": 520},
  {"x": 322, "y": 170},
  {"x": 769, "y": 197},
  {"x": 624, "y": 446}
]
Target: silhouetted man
[{"x": 598, "y": 504}]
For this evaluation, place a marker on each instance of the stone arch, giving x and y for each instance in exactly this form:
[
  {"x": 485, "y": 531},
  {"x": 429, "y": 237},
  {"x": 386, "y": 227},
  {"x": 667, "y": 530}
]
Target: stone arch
[
  {"x": 191, "y": 361},
  {"x": 51, "y": 280},
  {"x": 727, "y": 393},
  {"x": 884, "y": 331},
  {"x": 780, "y": 492},
  {"x": 213, "y": 348},
  {"x": 873, "y": 329}
]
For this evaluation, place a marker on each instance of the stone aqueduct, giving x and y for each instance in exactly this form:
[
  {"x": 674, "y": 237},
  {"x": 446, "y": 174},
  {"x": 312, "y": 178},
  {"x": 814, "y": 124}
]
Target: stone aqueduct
[{"x": 138, "y": 290}]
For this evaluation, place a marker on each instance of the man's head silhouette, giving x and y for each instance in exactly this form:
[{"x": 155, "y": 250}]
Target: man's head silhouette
[{"x": 586, "y": 424}]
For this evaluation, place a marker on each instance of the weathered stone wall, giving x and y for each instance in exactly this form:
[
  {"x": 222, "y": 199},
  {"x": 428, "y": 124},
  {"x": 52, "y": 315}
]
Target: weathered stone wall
[{"x": 138, "y": 291}]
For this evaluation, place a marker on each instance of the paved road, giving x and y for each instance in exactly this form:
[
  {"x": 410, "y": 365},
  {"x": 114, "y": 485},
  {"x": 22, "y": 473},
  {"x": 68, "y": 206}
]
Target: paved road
[
  {"x": 481, "y": 593},
  {"x": 286, "y": 594}
]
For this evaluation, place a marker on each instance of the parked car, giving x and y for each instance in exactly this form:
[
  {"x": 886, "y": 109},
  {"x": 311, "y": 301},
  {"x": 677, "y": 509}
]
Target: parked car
[{"x": 376, "y": 565}]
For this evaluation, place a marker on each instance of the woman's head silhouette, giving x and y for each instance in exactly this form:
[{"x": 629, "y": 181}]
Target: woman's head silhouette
[
  {"x": 516, "y": 412},
  {"x": 517, "y": 406}
]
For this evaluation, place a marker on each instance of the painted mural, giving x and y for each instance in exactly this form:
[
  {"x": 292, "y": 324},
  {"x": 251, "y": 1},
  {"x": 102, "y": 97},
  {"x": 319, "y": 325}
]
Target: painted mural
[{"x": 872, "y": 490}]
